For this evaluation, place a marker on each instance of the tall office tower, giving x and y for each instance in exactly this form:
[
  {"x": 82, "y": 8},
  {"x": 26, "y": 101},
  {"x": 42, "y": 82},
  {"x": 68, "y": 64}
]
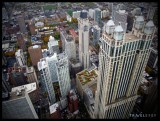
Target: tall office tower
[
  {"x": 63, "y": 74},
  {"x": 121, "y": 16},
  {"x": 83, "y": 26},
  {"x": 151, "y": 13},
  {"x": 18, "y": 106},
  {"x": 122, "y": 60},
  {"x": 32, "y": 27},
  {"x": 70, "y": 48},
  {"x": 153, "y": 59},
  {"x": 53, "y": 45},
  {"x": 20, "y": 57},
  {"x": 63, "y": 36},
  {"x": 5, "y": 82},
  {"x": 35, "y": 53},
  {"x": 55, "y": 68},
  {"x": 31, "y": 75},
  {"x": 97, "y": 16},
  {"x": 46, "y": 79},
  {"x": 4, "y": 14},
  {"x": 21, "y": 41},
  {"x": 21, "y": 24},
  {"x": 91, "y": 13},
  {"x": 96, "y": 34},
  {"x": 4, "y": 59}
]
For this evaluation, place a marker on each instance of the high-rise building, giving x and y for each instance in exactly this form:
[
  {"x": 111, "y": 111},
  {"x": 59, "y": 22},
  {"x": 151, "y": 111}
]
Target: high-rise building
[
  {"x": 32, "y": 27},
  {"x": 46, "y": 79},
  {"x": 17, "y": 76},
  {"x": 21, "y": 24},
  {"x": 70, "y": 48},
  {"x": 21, "y": 41},
  {"x": 122, "y": 60},
  {"x": 91, "y": 13},
  {"x": 151, "y": 12},
  {"x": 53, "y": 45},
  {"x": 35, "y": 54},
  {"x": 96, "y": 34},
  {"x": 63, "y": 74},
  {"x": 83, "y": 26},
  {"x": 18, "y": 106},
  {"x": 153, "y": 58},
  {"x": 72, "y": 101},
  {"x": 97, "y": 16},
  {"x": 5, "y": 81},
  {"x": 104, "y": 13},
  {"x": 121, "y": 16},
  {"x": 20, "y": 57},
  {"x": 4, "y": 14},
  {"x": 31, "y": 75},
  {"x": 55, "y": 68},
  {"x": 76, "y": 14}
]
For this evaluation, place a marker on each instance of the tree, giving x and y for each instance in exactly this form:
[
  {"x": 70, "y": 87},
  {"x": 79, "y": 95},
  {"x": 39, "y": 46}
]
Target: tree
[
  {"x": 60, "y": 44},
  {"x": 57, "y": 35},
  {"x": 46, "y": 39},
  {"x": 74, "y": 20},
  {"x": 44, "y": 47}
]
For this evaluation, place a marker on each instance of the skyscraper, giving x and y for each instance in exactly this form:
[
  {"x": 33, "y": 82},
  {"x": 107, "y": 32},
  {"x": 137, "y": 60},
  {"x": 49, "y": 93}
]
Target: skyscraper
[
  {"x": 21, "y": 41},
  {"x": 83, "y": 26},
  {"x": 21, "y": 24},
  {"x": 151, "y": 12},
  {"x": 122, "y": 60},
  {"x": 70, "y": 48},
  {"x": 96, "y": 34},
  {"x": 55, "y": 68},
  {"x": 46, "y": 79},
  {"x": 97, "y": 16},
  {"x": 18, "y": 106},
  {"x": 35, "y": 54},
  {"x": 120, "y": 16}
]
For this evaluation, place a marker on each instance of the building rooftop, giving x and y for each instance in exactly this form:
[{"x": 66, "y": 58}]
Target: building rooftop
[
  {"x": 73, "y": 33},
  {"x": 41, "y": 64},
  {"x": 52, "y": 41},
  {"x": 53, "y": 108},
  {"x": 139, "y": 18},
  {"x": 34, "y": 47},
  {"x": 130, "y": 37},
  {"x": 39, "y": 24},
  {"x": 18, "y": 53},
  {"x": 28, "y": 87},
  {"x": 30, "y": 69},
  {"x": 86, "y": 76},
  {"x": 17, "y": 94}
]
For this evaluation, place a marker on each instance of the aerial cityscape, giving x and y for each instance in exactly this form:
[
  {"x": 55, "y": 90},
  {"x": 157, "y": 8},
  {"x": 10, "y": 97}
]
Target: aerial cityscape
[{"x": 80, "y": 60}]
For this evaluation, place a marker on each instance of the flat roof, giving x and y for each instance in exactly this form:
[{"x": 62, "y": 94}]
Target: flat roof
[
  {"x": 53, "y": 108},
  {"x": 130, "y": 37},
  {"x": 29, "y": 87},
  {"x": 86, "y": 76}
]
